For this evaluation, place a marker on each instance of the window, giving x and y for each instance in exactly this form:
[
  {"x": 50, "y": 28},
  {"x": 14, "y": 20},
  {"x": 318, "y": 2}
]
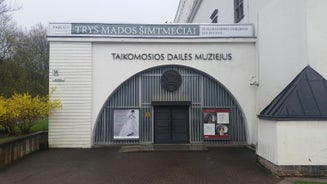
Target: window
[
  {"x": 214, "y": 16},
  {"x": 238, "y": 10}
]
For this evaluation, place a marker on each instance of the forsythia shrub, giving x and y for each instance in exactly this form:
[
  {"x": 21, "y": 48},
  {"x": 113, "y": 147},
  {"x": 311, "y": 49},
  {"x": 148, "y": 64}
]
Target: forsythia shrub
[
  {"x": 22, "y": 110},
  {"x": 7, "y": 121}
]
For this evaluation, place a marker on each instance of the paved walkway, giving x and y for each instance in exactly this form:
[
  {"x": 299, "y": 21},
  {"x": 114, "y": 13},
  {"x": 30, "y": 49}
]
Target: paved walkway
[{"x": 109, "y": 165}]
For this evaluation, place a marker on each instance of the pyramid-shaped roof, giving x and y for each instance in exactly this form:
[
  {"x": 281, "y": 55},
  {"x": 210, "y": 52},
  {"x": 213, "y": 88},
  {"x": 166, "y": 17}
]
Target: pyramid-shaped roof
[{"x": 305, "y": 98}]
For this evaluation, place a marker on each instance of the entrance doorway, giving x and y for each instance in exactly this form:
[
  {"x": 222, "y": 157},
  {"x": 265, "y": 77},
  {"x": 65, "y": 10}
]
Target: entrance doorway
[
  {"x": 143, "y": 91},
  {"x": 171, "y": 124}
]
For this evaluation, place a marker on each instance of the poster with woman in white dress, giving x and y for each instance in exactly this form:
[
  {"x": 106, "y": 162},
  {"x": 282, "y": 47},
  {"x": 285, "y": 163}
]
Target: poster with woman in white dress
[{"x": 126, "y": 124}]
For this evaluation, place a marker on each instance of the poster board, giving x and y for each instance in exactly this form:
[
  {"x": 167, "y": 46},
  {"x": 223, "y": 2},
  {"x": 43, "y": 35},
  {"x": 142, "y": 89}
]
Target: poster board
[
  {"x": 126, "y": 123},
  {"x": 216, "y": 124}
]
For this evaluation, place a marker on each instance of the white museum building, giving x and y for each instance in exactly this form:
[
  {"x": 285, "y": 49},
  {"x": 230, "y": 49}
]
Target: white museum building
[{"x": 242, "y": 72}]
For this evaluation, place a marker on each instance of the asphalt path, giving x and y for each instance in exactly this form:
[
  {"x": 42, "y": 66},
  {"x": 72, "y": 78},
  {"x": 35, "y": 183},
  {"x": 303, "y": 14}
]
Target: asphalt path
[{"x": 225, "y": 165}]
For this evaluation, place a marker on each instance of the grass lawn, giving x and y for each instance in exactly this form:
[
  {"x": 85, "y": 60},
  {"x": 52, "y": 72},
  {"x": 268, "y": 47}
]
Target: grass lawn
[
  {"x": 309, "y": 182},
  {"x": 39, "y": 126},
  {"x": 6, "y": 138}
]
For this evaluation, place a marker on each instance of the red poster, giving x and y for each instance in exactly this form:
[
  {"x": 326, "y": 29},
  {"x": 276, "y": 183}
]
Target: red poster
[{"x": 216, "y": 124}]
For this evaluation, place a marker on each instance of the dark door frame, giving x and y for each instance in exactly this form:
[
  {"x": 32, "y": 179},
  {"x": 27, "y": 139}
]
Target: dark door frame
[
  {"x": 185, "y": 104},
  {"x": 175, "y": 103}
]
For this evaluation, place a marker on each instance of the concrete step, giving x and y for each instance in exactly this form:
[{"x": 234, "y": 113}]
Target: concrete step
[{"x": 163, "y": 147}]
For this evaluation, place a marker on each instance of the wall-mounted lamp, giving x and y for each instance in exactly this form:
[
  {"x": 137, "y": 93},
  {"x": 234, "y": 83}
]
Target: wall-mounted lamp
[{"x": 254, "y": 81}]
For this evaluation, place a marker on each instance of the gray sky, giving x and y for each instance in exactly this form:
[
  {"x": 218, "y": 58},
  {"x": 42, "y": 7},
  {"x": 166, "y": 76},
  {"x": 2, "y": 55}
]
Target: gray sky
[{"x": 101, "y": 11}]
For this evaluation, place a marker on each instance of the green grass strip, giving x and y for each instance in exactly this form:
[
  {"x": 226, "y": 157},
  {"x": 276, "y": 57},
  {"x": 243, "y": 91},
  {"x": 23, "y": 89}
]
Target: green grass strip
[
  {"x": 38, "y": 126},
  {"x": 309, "y": 182}
]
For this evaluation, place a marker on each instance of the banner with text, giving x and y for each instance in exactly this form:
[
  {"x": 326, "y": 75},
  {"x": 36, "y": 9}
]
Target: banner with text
[{"x": 151, "y": 30}]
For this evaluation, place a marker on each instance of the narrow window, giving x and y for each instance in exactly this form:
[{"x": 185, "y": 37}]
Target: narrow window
[
  {"x": 238, "y": 10},
  {"x": 214, "y": 16}
]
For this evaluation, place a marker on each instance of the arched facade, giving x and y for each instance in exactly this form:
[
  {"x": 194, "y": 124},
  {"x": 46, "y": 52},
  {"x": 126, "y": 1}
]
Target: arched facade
[{"x": 198, "y": 93}]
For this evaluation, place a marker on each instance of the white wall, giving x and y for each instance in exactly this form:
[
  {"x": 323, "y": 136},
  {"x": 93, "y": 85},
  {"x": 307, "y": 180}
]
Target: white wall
[
  {"x": 71, "y": 126},
  {"x": 91, "y": 75},
  {"x": 184, "y": 10},
  {"x": 316, "y": 35},
  {"x": 282, "y": 47},
  {"x": 292, "y": 34},
  {"x": 302, "y": 142},
  {"x": 235, "y": 75},
  {"x": 225, "y": 11},
  {"x": 267, "y": 140},
  {"x": 293, "y": 142},
  {"x": 252, "y": 14}
]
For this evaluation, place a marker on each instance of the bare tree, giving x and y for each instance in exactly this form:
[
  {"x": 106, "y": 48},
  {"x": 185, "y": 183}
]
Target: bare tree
[
  {"x": 4, "y": 8},
  {"x": 7, "y": 36},
  {"x": 23, "y": 56},
  {"x": 31, "y": 53},
  {"x": 8, "y": 31}
]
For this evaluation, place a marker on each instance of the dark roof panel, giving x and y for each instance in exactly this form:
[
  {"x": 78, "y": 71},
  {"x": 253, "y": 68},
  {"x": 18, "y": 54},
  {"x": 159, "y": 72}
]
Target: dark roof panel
[{"x": 305, "y": 98}]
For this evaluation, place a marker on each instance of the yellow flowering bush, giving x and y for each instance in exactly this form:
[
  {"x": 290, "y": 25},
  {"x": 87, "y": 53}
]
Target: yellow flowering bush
[
  {"x": 2, "y": 106},
  {"x": 22, "y": 110},
  {"x": 6, "y": 119}
]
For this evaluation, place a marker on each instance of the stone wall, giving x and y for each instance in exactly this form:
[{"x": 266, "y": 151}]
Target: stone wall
[
  {"x": 294, "y": 170},
  {"x": 15, "y": 149}
]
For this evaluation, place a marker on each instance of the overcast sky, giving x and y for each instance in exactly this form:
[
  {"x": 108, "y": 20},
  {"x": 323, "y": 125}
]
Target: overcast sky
[{"x": 101, "y": 11}]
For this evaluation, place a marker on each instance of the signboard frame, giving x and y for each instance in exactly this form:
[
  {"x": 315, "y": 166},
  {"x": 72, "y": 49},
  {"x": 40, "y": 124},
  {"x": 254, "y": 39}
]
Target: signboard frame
[
  {"x": 151, "y": 30},
  {"x": 126, "y": 124},
  {"x": 216, "y": 124}
]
